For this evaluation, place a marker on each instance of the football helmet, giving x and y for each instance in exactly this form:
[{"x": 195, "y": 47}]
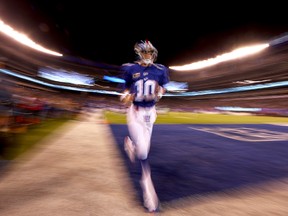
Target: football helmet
[{"x": 144, "y": 47}]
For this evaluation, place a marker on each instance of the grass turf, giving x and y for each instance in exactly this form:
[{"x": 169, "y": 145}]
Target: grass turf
[
  {"x": 200, "y": 118},
  {"x": 15, "y": 144}
]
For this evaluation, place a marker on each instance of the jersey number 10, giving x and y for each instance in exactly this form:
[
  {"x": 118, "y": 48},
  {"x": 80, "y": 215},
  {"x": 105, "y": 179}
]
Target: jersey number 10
[{"x": 145, "y": 90}]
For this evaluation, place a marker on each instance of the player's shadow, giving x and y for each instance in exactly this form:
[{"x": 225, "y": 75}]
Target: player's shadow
[{"x": 185, "y": 162}]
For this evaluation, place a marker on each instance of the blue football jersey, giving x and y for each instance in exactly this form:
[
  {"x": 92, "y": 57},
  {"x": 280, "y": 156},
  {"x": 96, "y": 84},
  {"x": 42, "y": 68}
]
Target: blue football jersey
[{"x": 143, "y": 81}]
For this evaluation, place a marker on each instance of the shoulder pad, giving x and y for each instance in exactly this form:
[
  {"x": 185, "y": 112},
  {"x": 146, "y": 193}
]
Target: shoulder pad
[
  {"x": 159, "y": 66},
  {"x": 128, "y": 64}
]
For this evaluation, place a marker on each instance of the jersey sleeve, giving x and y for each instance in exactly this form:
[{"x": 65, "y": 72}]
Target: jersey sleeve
[
  {"x": 164, "y": 79},
  {"x": 125, "y": 68}
]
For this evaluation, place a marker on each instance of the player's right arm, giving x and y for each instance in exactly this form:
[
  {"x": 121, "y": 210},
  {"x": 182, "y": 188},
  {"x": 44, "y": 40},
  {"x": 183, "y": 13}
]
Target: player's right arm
[{"x": 126, "y": 97}]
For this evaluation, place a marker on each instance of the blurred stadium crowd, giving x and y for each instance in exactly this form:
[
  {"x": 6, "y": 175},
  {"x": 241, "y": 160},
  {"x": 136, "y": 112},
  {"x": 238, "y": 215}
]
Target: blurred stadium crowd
[{"x": 27, "y": 98}]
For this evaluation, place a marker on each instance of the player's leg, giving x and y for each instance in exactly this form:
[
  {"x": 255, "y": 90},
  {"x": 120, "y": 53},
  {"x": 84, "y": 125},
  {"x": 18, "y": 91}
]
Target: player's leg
[
  {"x": 129, "y": 146},
  {"x": 138, "y": 142},
  {"x": 140, "y": 126},
  {"x": 150, "y": 198}
]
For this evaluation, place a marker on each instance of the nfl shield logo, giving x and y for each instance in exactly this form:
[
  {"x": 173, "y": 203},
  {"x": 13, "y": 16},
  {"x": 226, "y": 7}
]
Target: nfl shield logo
[{"x": 147, "y": 118}]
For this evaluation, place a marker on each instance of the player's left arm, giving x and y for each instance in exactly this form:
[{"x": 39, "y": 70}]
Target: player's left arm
[
  {"x": 164, "y": 80},
  {"x": 160, "y": 92}
]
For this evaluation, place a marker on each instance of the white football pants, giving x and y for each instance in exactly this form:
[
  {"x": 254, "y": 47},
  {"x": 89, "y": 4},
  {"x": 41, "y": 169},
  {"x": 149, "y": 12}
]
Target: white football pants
[{"x": 140, "y": 121}]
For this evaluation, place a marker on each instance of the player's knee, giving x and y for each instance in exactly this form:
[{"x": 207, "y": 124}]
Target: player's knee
[{"x": 142, "y": 155}]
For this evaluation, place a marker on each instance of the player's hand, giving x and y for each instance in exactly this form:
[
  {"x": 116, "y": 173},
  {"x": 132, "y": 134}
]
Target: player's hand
[
  {"x": 127, "y": 98},
  {"x": 159, "y": 93}
]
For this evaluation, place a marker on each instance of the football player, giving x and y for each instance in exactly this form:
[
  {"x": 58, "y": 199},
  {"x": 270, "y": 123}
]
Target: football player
[{"x": 144, "y": 86}]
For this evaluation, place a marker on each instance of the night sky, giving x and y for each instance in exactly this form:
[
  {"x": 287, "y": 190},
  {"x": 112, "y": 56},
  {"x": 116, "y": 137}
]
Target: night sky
[{"x": 106, "y": 31}]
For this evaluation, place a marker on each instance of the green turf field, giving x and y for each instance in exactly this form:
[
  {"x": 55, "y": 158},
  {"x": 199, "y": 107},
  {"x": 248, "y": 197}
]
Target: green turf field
[
  {"x": 15, "y": 144},
  {"x": 200, "y": 118}
]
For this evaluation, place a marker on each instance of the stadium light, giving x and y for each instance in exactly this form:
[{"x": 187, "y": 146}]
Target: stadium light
[
  {"x": 237, "y": 53},
  {"x": 23, "y": 39}
]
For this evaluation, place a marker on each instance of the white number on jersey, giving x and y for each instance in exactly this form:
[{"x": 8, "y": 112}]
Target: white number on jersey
[{"x": 145, "y": 90}]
